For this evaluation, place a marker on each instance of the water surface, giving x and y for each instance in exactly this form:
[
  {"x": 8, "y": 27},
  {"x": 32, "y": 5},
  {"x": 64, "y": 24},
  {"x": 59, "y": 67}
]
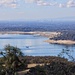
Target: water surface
[{"x": 34, "y": 45}]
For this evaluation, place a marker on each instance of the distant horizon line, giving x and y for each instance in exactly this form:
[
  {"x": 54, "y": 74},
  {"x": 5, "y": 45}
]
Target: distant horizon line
[
  {"x": 39, "y": 20},
  {"x": 72, "y": 18}
]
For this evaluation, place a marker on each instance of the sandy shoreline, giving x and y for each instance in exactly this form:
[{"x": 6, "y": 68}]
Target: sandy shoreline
[
  {"x": 65, "y": 42},
  {"x": 15, "y": 32},
  {"x": 45, "y": 34}
]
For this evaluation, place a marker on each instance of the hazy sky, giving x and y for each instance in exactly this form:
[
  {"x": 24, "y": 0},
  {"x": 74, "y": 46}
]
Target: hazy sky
[{"x": 36, "y": 9}]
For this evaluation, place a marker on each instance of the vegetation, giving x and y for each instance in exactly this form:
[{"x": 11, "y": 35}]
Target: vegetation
[
  {"x": 37, "y": 26},
  {"x": 42, "y": 59},
  {"x": 10, "y": 61},
  {"x": 54, "y": 68},
  {"x": 65, "y": 35},
  {"x": 14, "y": 61},
  {"x": 68, "y": 54}
]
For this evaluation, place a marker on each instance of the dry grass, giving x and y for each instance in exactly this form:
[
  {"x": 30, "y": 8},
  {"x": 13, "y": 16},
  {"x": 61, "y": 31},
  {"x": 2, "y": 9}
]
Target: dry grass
[{"x": 29, "y": 66}]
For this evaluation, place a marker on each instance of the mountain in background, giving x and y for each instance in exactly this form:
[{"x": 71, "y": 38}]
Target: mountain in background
[{"x": 37, "y": 25}]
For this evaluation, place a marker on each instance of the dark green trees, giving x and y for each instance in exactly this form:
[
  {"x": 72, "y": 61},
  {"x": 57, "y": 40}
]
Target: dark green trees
[
  {"x": 54, "y": 68},
  {"x": 11, "y": 60}
]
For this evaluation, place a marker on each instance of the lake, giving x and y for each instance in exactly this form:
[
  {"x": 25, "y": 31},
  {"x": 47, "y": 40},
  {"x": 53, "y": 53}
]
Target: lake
[{"x": 34, "y": 45}]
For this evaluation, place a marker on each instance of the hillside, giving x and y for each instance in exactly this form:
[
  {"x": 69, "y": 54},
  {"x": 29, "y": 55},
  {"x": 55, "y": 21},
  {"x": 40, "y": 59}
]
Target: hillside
[
  {"x": 66, "y": 35},
  {"x": 37, "y": 26}
]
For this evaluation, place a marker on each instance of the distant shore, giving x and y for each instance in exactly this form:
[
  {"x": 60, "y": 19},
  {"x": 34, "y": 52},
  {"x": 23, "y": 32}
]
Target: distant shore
[
  {"x": 36, "y": 33},
  {"x": 15, "y": 32},
  {"x": 65, "y": 42},
  {"x": 45, "y": 34}
]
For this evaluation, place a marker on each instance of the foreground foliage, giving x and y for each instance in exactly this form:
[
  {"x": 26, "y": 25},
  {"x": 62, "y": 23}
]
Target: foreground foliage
[
  {"x": 10, "y": 61},
  {"x": 54, "y": 68},
  {"x": 43, "y": 59}
]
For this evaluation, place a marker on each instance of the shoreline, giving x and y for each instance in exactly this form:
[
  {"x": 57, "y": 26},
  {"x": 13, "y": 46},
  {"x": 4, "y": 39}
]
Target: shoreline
[
  {"x": 16, "y": 32},
  {"x": 44, "y": 34},
  {"x": 64, "y": 42}
]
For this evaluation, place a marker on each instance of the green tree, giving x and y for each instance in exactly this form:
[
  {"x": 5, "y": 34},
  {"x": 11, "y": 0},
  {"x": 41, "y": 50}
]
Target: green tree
[
  {"x": 12, "y": 62},
  {"x": 67, "y": 52}
]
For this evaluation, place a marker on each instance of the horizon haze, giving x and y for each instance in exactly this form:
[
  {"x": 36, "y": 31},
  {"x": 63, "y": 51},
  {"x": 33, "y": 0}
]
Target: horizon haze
[{"x": 31, "y": 10}]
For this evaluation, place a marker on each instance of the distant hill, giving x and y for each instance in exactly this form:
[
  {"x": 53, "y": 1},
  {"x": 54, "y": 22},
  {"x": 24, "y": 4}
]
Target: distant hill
[{"x": 38, "y": 26}]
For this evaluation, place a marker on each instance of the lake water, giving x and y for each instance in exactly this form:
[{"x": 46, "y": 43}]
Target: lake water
[{"x": 34, "y": 45}]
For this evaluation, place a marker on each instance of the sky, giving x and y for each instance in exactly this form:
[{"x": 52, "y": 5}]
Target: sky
[{"x": 28, "y": 10}]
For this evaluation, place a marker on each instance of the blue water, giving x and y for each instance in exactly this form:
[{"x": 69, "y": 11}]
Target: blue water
[{"x": 34, "y": 45}]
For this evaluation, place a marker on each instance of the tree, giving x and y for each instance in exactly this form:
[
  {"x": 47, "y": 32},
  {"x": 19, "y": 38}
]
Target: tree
[
  {"x": 12, "y": 62},
  {"x": 68, "y": 52}
]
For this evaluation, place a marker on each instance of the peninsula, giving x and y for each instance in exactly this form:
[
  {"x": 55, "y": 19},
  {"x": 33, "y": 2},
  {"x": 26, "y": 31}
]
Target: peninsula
[{"x": 67, "y": 38}]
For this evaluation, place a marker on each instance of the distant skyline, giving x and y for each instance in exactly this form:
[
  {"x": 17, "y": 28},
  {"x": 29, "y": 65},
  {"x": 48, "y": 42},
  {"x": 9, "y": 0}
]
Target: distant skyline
[{"x": 30, "y": 10}]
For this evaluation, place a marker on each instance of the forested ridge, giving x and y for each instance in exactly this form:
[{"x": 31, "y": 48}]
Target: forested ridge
[
  {"x": 65, "y": 35},
  {"x": 37, "y": 26}
]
